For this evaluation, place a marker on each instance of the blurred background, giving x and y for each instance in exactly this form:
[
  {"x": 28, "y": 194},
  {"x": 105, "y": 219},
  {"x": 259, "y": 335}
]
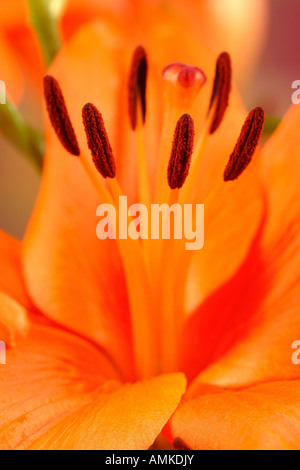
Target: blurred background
[
  {"x": 269, "y": 86},
  {"x": 279, "y": 64}
]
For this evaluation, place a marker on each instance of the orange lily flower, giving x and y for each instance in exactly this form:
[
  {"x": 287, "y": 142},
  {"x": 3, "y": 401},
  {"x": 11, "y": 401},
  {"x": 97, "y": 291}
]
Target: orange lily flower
[{"x": 86, "y": 374}]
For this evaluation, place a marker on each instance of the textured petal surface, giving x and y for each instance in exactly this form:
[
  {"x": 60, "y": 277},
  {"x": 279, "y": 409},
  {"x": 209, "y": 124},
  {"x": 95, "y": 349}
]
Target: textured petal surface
[
  {"x": 265, "y": 417},
  {"x": 14, "y": 321},
  {"x": 128, "y": 418},
  {"x": 49, "y": 374}
]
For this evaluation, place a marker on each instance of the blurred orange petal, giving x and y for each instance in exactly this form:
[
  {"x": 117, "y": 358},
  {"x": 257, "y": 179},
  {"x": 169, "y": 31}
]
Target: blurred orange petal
[
  {"x": 11, "y": 279},
  {"x": 21, "y": 58},
  {"x": 11, "y": 73}
]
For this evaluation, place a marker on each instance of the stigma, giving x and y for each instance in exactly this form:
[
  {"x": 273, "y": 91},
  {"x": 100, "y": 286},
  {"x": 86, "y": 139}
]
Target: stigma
[{"x": 183, "y": 84}]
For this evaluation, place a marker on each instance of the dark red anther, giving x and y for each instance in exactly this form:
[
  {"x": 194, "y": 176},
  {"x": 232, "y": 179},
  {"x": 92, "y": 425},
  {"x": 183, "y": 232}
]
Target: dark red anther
[
  {"x": 59, "y": 115},
  {"x": 98, "y": 141},
  {"x": 246, "y": 145},
  {"x": 182, "y": 150},
  {"x": 137, "y": 86},
  {"x": 221, "y": 90}
]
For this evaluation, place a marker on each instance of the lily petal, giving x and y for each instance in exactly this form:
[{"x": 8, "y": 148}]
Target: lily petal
[
  {"x": 264, "y": 417},
  {"x": 13, "y": 320},
  {"x": 49, "y": 374},
  {"x": 10, "y": 70},
  {"x": 19, "y": 48},
  {"x": 11, "y": 280},
  {"x": 128, "y": 418}
]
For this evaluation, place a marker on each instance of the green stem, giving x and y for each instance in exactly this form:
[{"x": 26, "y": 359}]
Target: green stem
[
  {"x": 26, "y": 139},
  {"x": 45, "y": 23}
]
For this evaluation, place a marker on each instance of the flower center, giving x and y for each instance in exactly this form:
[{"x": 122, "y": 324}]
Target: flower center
[{"x": 156, "y": 271}]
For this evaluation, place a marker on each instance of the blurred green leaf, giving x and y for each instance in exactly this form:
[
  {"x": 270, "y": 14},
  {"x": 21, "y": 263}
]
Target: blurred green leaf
[
  {"x": 271, "y": 124},
  {"x": 27, "y": 140}
]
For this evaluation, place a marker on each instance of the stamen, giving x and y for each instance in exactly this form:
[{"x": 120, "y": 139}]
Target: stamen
[
  {"x": 246, "y": 145},
  {"x": 183, "y": 144},
  {"x": 144, "y": 334},
  {"x": 182, "y": 85},
  {"x": 59, "y": 115},
  {"x": 221, "y": 90},
  {"x": 180, "y": 445},
  {"x": 98, "y": 141},
  {"x": 137, "y": 85}
]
